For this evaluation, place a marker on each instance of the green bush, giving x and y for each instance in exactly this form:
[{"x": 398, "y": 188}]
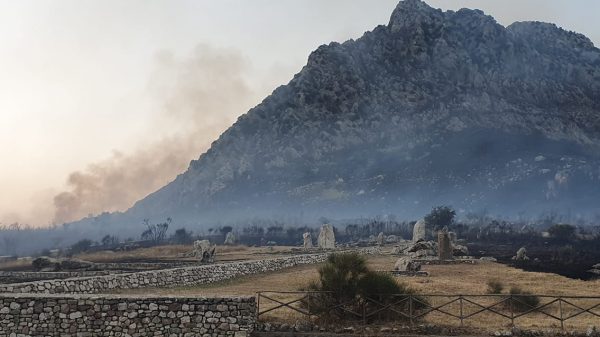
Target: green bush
[
  {"x": 522, "y": 300},
  {"x": 495, "y": 287},
  {"x": 346, "y": 287},
  {"x": 440, "y": 217}
]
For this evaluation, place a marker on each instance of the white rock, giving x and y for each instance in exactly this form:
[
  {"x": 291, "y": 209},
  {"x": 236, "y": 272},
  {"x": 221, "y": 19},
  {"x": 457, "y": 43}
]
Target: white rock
[
  {"x": 326, "y": 238},
  {"x": 307, "y": 240},
  {"x": 419, "y": 231}
]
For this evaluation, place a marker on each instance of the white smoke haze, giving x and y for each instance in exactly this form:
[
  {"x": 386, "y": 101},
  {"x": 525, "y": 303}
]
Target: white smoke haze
[{"x": 199, "y": 97}]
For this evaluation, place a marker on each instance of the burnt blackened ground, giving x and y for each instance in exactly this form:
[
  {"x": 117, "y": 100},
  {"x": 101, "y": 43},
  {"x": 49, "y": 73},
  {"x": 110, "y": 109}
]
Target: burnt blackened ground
[{"x": 572, "y": 259}]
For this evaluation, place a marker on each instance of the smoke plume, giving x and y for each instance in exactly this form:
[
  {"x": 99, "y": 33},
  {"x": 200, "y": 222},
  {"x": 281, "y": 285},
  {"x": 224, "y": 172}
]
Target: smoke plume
[{"x": 199, "y": 96}]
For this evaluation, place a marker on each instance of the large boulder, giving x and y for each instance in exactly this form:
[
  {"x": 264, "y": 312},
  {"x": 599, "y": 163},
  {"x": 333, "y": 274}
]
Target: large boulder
[
  {"x": 422, "y": 249},
  {"x": 423, "y": 254},
  {"x": 326, "y": 238},
  {"x": 307, "y": 237},
  {"x": 521, "y": 255},
  {"x": 419, "y": 231},
  {"x": 460, "y": 250},
  {"x": 422, "y": 245},
  {"x": 204, "y": 251},
  {"x": 407, "y": 264}
]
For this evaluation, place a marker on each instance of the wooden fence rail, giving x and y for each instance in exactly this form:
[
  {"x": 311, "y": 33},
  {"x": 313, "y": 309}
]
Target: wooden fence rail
[{"x": 414, "y": 308}]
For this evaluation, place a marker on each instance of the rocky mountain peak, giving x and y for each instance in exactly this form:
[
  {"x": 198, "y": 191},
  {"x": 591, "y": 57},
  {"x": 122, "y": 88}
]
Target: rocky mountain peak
[
  {"x": 413, "y": 14},
  {"x": 437, "y": 108},
  {"x": 550, "y": 35}
]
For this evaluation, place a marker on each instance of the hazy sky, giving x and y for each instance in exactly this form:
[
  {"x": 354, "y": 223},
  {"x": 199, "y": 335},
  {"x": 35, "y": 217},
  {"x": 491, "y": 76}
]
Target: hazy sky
[{"x": 97, "y": 86}]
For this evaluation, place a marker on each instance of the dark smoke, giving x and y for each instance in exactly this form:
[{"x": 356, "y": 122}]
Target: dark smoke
[{"x": 199, "y": 97}]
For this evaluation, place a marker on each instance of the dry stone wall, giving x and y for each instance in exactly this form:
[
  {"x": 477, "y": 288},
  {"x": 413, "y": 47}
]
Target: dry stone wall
[
  {"x": 106, "y": 315},
  {"x": 161, "y": 278},
  {"x": 182, "y": 276}
]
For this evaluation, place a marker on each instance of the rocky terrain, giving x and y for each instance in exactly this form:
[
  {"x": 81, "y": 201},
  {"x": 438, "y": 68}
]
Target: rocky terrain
[{"x": 433, "y": 108}]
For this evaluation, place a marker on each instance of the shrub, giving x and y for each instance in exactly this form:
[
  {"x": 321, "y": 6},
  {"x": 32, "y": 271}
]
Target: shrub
[
  {"x": 522, "y": 300},
  {"x": 495, "y": 287},
  {"x": 155, "y": 232},
  {"x": 346, "y": 286}
]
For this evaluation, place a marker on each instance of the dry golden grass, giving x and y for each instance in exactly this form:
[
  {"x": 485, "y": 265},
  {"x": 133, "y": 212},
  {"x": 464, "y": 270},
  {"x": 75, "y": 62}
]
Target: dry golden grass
[
  {"x": 15, "y": 265},
  {"x": 165, "y": 253},
  {"x": 444, "y": 279},
  {"x": 178, "y": 252},
  {"x": 168, "y": 252}
]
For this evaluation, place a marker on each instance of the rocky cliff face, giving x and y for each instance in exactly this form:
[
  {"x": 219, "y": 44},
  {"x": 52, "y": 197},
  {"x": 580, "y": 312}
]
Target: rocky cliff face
[{"x": 433, "y": 108}]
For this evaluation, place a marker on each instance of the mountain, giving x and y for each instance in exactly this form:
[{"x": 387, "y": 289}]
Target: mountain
[{"x": 433, "y": 108}]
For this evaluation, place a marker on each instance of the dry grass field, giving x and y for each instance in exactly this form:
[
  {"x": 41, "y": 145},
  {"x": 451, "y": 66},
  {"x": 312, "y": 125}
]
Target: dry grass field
[
  {"x": 164, "y": 253},
  {"x": 454, "y": 279},
  {"x": 178, "y": 252},
  {"x": 444, "y": 279}
]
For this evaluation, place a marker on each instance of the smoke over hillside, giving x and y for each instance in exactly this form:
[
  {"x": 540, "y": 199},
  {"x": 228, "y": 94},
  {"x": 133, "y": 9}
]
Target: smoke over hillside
[{"x": 200, "y": 95}]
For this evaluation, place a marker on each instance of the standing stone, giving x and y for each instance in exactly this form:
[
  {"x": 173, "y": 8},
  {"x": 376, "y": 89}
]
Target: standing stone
[
  {"x": 444, "y": 245},
  {"x": 307, "y": 240},
  {"x": 380, "y": 239},
  {"x": 326, "y": 238},
  {"x": 419, "y": 231},
  {"x": 230, "y": 239}
]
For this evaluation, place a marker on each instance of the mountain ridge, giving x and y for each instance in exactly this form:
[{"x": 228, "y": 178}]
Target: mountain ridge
[{"x": 434, "y": 107}]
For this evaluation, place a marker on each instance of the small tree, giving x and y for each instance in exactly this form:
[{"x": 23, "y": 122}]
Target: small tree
[
  {"x": 440, "y": 216},
  {"x": 155, "y": 232}
]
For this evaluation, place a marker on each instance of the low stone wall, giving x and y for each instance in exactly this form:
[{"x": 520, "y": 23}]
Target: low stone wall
[
  {"x": 183, "y": 276},
  {"x": 140, "y": 266},
  {"x": 29, "y": 276},
  {"x": 104, "y": 315},
  {"x": 161, "y": 278}
]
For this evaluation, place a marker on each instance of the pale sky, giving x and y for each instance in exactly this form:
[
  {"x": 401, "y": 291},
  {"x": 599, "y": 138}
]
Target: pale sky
[{"x": 81, "y": 79}]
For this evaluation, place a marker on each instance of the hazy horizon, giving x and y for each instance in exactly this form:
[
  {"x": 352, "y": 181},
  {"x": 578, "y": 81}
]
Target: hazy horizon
[{"x": 104, "y": 102}]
